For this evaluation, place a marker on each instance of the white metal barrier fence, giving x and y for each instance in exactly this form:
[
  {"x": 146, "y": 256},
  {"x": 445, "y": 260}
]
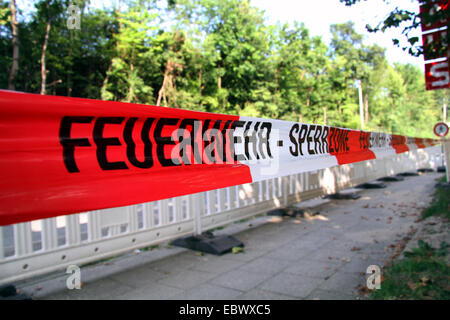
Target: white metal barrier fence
[{"x": 41, "y": 246}]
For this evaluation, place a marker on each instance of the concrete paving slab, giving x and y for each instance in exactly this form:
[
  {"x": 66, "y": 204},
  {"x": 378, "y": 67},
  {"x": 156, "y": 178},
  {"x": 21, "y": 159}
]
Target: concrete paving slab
[
  {"x": 155, "y": 291},
  {"x": 186, "y": 279},
  {"x": 104, "y": 289},
  {"x": 358, "y": 266},
  {"x": 320, "y": 294},
  {"x": 292, "y": 255},
  {"x": 343, "y": 282},
  {"x": 208, "y": 291},
  {"x": 215, "y": 264},
  {"x": 138, "y": 277},
  {"x": 292, "y": 285},
  {"x": 314, "y": 269},
  {"x": 258, "y": 294},
  {"x": 266, "y": 265},
  {"x": 241, "y": 279},
  {"x": 326, "y": 254},
  {"x": 174, "y": 264},
  {"x": 248, "y": 254}
]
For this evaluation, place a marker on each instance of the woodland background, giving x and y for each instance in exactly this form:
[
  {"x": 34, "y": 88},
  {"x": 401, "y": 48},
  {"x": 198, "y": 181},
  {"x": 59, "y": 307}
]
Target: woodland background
[{"x": 212, "y": 55}]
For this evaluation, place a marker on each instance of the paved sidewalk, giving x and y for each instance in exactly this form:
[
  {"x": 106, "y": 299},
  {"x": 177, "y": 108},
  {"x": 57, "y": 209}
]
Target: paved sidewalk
[{"x": 324, "y": 256}]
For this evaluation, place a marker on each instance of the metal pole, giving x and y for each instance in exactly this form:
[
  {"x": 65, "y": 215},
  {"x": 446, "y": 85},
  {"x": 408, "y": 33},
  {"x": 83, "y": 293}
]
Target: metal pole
[
  {"x": 447, "y": 160},
  {"x": 361, "y": 111},
  {"x": 444, "y": 147},
  {"x": 443, "y": 152},
  {"x": 444, "y": 112}
]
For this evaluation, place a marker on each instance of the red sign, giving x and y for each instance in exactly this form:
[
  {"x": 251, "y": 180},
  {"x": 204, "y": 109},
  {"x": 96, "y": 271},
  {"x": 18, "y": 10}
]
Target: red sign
[
  {"x": 432, "y": 8},
  {"x": 440, "y": 129},
  {"x": 437, "y": 75},
  {"x": 434, "y": 16},
  {"x": 435, "y": 44}
]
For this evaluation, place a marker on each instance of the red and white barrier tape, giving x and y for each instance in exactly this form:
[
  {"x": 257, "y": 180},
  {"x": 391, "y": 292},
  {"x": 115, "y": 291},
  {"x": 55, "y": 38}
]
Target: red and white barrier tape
[{"x": 61, "y": 155}]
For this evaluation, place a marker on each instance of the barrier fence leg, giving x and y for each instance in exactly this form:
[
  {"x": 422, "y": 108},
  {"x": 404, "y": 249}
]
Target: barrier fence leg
[
  {"x": 197, "y": 210},
  {"x": 206, "y": 241}
]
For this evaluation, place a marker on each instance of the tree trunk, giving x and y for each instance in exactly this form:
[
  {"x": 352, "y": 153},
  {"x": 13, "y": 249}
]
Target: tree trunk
[
  {"x": 302, "y": 75},
  {"x": 200, "y": 87},
  {"x": 69, "y": 72},
  {"x": 15, "y": 44},
  {"x": 105, "y": 82},
  {"x": 130, "y": 88},
  {"x": 308, "y": 100},
  {"x": 161, "y": 92},
  {"x": 69, "y": 85},
  {"x": 44, "y": 50},
  {"x": 169, "y": 85}
]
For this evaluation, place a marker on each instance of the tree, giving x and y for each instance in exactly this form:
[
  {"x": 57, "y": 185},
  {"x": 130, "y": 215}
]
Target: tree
[
  {"x": 237, "y": 32},
  {"x": 44, "y": 48},
  {"x": 413, "y": 20},
  {"x": 216, "y": 56},
  {"x": 123, "y": 81},
  {"x": 15, "y": 45}
]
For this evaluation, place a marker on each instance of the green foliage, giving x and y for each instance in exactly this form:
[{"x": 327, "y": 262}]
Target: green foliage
[
  {"x": 409, "y": 21},
  {"x": 424, "y": 249},
  {"x": 217, "y": 56},
  {"x": 236, "y": 250},
  {"x": 422, "y": 274},
  {"x": 440, "y": 205}
]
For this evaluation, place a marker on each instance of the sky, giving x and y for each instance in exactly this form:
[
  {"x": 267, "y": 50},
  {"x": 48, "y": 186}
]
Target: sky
[{"x": 318, "y": 15}]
